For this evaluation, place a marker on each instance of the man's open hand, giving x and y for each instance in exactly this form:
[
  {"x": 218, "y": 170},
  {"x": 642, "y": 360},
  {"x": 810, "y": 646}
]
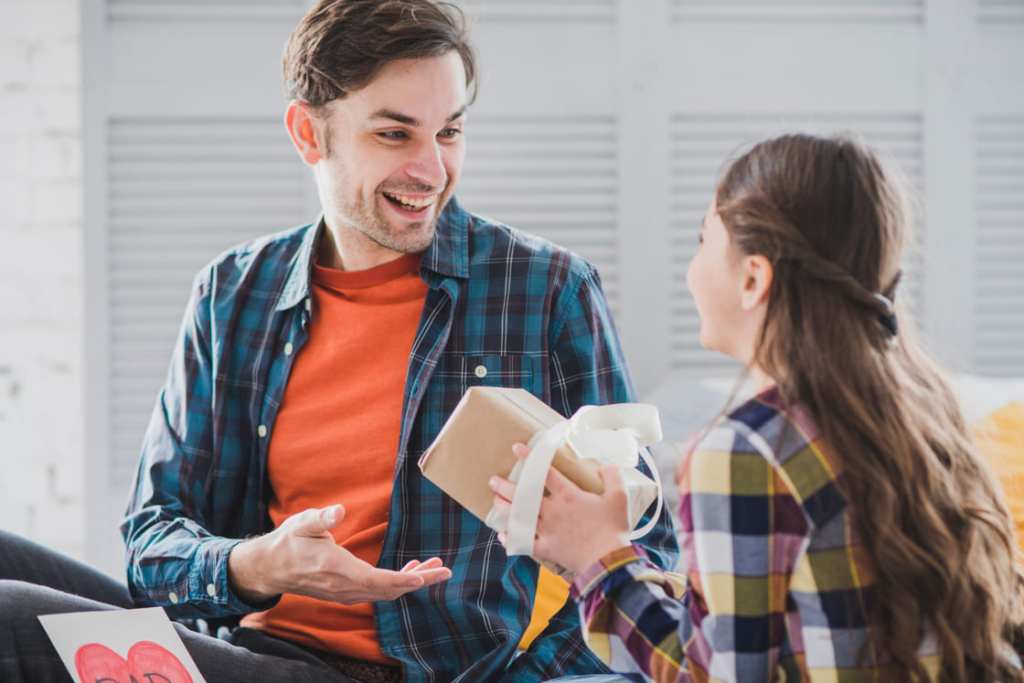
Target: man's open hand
[{"x": 301, "y": 557}]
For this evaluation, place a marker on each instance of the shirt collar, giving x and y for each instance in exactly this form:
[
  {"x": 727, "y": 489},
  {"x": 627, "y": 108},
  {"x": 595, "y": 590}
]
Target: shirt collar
[{"x": 447, "y": 255}]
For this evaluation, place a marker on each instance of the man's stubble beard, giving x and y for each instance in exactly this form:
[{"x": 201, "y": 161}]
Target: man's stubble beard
[
  {"x": 370, "y": 221},
  {"x": 412, "y": 238}
]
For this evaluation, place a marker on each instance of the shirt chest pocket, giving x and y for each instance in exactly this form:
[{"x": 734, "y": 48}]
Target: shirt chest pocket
[{"x": 461, "y": 371}]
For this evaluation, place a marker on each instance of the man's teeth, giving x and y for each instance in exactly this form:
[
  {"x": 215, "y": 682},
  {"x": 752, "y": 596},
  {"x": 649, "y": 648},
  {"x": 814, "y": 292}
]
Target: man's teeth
[{"x": 412, "y": 202}]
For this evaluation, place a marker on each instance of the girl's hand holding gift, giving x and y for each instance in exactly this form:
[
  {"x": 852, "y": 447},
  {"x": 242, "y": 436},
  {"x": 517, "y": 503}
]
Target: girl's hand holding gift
[{"x": 575, "y": 528}]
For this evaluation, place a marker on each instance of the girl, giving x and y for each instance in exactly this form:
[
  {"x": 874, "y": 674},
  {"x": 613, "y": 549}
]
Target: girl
[{"x": 840, "y": 525}]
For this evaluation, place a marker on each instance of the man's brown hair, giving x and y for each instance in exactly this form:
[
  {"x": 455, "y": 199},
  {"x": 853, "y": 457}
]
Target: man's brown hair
[{"x": 340, "y": 45}]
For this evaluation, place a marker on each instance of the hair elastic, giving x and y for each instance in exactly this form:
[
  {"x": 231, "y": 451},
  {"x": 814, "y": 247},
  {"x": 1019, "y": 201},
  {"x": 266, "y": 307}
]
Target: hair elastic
[{"x": 888, "y": 319}]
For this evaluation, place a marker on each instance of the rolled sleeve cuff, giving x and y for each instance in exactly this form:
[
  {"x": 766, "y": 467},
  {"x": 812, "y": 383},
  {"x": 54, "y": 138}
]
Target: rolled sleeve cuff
[
  {"x": 208, "y": 584},
  {"x": 593, "y": 576}
]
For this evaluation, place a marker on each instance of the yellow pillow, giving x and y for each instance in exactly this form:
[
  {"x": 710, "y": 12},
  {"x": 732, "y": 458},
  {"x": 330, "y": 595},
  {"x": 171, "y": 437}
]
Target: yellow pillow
[
  {"x": 552, "y": 592},
  {"x": 1000, "y": 438}
]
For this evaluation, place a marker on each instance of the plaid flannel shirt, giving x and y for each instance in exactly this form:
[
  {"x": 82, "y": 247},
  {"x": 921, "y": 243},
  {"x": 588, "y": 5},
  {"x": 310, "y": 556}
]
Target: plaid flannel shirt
[
  {"x": 775, "y": 584},
  {"x": 531, "y": 314}
]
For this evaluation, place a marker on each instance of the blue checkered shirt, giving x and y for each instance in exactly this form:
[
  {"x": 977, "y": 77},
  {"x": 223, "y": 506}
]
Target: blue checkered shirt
[{"x": 531, "y": 313}]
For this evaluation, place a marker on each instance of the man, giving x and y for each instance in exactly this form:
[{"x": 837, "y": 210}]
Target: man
[{"x": 315, "y": 366}]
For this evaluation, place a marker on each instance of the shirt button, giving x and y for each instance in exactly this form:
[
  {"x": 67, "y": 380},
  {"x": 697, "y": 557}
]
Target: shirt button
[
  {"x": 309, "y": 304},
  {"x": 211, "y": 590},
  {"x": 173, "y": 597},
  {"x": 480, "y": 371},
  {"x": 288, "y": 348},
  {"x": 262, "y": 430}
]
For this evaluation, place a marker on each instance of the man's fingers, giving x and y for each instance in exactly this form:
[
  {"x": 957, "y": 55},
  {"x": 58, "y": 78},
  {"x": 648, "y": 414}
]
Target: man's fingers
[
  {"x": 520, "y": 450},
  {"x": 383, "y": 581},
  {"x": 318, "y": 521},
  {"x": 503, "y": 488},
  {"x": 332, "y": 515},
  {"x": 432, "y": 563},
  {"x": 418, "y": 566},
  {"x": 435, "y": 575},
  {"x": 384, "y": 584}
]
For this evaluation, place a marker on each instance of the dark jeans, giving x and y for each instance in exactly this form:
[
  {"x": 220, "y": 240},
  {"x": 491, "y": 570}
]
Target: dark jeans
[{"x": 35, "y": 581}]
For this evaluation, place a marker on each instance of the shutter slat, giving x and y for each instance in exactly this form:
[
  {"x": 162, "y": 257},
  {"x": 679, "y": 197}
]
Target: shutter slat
[
  {"x": 999, "y": 246},
  {"x": 795, "y": 11},
  {"x": 505, "y": 11},
  {"x": 197, "y": 10},
  {"x": 1000, "y": 12}
]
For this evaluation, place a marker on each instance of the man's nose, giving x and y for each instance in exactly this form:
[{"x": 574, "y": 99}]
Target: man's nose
[{"x": 428, "y": 166}]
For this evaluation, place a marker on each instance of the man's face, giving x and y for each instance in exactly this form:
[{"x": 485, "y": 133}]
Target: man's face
[{"x": 395, "y": 151}]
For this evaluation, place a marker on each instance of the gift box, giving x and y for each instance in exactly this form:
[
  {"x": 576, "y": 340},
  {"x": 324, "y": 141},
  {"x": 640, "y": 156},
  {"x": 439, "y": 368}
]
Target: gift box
[{"x": 476, "y": 444}]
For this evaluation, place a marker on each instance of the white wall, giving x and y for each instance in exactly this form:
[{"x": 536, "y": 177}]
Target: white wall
[{"x": 42, "y": 443}]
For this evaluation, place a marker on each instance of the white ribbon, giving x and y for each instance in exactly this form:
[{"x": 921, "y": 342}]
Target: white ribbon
[{"x": 613, "y": 435}]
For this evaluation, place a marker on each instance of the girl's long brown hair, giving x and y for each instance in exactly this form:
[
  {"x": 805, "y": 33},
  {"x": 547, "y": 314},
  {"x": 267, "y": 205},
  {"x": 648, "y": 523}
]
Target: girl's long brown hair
[{"x": 832, "y": 221}]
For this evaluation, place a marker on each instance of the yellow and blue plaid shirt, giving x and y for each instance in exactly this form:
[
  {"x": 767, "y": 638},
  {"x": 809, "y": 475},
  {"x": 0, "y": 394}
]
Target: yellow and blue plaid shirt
[
  {"x": 774, "y": 584},
  {"x": 530, "y": 314}
]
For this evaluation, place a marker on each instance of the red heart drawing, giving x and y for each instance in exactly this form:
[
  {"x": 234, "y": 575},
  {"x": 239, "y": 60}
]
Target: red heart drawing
[{"x": 147, "y": 663}]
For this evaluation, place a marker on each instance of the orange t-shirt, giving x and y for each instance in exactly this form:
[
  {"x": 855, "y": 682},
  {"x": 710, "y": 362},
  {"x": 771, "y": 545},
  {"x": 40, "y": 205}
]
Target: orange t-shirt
[{"x": 335, "y": 439}]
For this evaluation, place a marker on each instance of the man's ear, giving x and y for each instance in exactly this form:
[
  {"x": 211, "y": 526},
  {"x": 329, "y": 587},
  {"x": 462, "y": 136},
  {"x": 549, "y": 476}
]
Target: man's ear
[
  {"x": 757, "y": 281},
  {"x": 302, "y": 129}
]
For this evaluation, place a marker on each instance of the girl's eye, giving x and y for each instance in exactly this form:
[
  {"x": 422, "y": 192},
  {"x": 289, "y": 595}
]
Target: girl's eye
[
  {"x": 450, "y": 133},
  {"x": 393, "y": 135}
]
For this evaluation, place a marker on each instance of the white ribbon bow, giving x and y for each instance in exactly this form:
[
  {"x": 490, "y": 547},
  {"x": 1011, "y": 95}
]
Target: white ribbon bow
[{"x": 614, "y": 435}]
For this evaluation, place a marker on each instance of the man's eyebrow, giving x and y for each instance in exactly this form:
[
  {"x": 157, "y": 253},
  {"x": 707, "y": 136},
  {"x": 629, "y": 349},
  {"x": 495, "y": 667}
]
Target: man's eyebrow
[
  {"x": 460, "y": 112},
  {"x": 395, "y": 116},
  {"x": 407, "y": 120}
]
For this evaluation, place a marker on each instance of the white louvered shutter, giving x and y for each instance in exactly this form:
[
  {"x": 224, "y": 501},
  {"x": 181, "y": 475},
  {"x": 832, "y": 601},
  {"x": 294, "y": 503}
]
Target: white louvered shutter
[
  {"x": 996, "y": 214},
  {"x": 999, "y": 249}
]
